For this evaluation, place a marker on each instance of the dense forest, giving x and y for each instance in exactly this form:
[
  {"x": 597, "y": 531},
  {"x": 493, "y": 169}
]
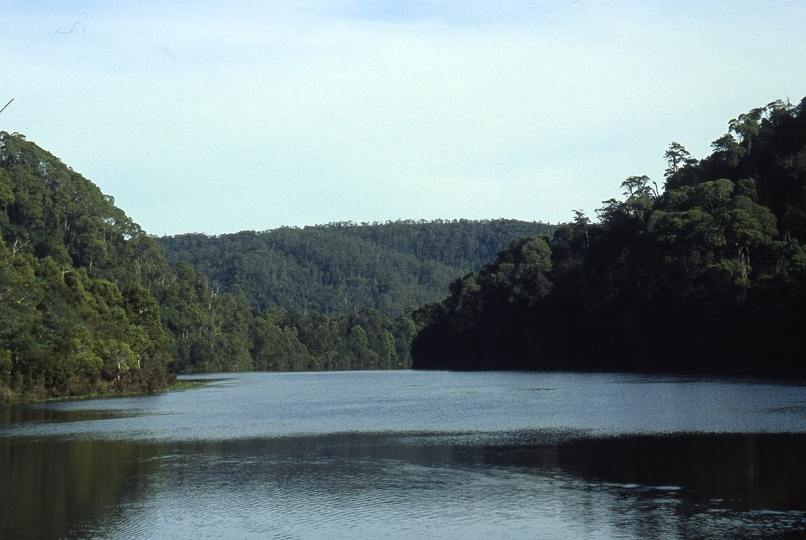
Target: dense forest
[
  {"x": 342, "y": 268},
  {"x": 76, "y": 315},
  {"x": 706, "y": 274},
  {"x": 90, "y": 305}
]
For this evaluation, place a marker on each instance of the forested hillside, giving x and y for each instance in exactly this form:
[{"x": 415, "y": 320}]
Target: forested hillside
[
  {"x": 707, "y": 274},
  {"x": 75, "y": 316},
  {"x": 342, "y": 268},
  {"x": 89, "y": 305}
]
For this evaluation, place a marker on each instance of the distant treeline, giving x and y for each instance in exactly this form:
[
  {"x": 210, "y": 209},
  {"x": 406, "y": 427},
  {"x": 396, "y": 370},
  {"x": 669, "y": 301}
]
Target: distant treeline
[
  {"x": 342, "y": 268},
  {"x": 707, "y": 274}
]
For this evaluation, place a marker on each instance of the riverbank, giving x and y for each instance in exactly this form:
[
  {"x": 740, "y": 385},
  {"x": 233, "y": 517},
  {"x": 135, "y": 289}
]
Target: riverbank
[{"x": 9, "y": 397}]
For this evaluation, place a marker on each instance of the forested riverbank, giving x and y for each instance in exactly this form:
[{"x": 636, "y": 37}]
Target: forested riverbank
[
  {"x": 706, "y": 273},
  {"x": 89, "y": 304}
]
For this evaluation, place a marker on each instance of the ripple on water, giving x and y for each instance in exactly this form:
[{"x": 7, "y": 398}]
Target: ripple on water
[{"x": 407, "y": 455}]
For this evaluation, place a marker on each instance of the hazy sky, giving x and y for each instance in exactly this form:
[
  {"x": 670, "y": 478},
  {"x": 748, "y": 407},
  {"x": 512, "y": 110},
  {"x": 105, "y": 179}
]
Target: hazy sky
[{"x": 223, "y": 116}]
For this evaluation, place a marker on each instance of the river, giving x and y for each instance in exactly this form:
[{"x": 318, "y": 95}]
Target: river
[{"x": 409, "y": 454}]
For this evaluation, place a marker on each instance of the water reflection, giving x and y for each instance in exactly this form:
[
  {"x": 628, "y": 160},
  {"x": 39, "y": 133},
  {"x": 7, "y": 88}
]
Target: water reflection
[
  {"x": 745, "y": 471},
  {"x": 36, "y": 414},
  {"x": 412, "y": 454},
  {"x": 560, "y": 484},
  {"x": 54, "y": 489}
]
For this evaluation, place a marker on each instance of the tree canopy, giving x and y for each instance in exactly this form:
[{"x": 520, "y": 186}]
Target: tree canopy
[
  {"x": 75, "y": 316},
  {"x": 705, "y": 275},
  {"x": 89, "y": 303},
  {"x": 342, "y": 268}
]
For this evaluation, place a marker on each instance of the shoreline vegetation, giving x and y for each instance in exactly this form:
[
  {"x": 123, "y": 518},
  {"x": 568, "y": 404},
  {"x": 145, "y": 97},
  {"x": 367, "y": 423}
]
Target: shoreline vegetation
[
  {"x": 703, "y": 274},
  {"x": 176, "y": 386},
  {"x": 89, "y": 304}
]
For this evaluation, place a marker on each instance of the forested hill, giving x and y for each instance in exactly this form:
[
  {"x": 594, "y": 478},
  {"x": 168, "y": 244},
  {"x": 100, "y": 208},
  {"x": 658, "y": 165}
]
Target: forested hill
[
  {"x": 343, "y": 268},
  {"x": 76, "y": 315},
  {"x": 89, "y": 304},
  {"x": 706, "y": 274}
]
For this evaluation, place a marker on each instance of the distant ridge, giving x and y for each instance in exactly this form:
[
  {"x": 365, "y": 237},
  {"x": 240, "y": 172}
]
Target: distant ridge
[{"x": 341, "y": 268}]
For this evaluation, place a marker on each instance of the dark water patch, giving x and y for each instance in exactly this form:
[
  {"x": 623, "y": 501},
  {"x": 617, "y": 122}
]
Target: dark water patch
[
  {"x": 681, "y": 486},
  {"x": 798, "y": 409},
  {"x": 58, "y": 488},
  {"x": 43, "y": 413},
  {"x": 748, "y": 471}
]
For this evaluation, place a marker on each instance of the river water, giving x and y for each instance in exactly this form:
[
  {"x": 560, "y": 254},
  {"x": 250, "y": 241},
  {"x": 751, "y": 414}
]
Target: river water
[{"x": 408, "y": 454}]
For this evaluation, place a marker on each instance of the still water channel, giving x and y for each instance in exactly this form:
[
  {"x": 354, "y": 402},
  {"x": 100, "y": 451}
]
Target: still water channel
[{"x": 408, "y": 454}]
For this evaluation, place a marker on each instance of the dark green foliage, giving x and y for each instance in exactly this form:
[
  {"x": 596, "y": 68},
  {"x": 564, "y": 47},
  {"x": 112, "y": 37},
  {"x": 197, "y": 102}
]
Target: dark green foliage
[
  {"x": 276, "y": 348},
  {"x": 364, "y": 340},
  {"x": 326, "y": 293},
  {"x": 52, "y": 211},
  {"x": 88, "y": 303},
  {"x": 65, "y": 253},
  {"x": 485, "y": 311},
  {"x": 343, "y": 268},
  {"x": 211, "y": 331},
  {"x": 706, "y": 276}
]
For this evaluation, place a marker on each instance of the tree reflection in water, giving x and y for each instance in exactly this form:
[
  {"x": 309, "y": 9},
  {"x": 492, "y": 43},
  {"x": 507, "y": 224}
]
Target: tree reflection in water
[{"x": 563, "y": 484}]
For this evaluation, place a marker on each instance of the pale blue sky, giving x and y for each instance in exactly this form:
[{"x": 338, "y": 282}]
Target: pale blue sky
[{"x": 224, "y": 116}]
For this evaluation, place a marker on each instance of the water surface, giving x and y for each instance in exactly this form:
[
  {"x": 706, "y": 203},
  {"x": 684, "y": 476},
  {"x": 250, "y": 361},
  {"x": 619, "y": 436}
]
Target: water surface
[{"x": 410, "y": 454}]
